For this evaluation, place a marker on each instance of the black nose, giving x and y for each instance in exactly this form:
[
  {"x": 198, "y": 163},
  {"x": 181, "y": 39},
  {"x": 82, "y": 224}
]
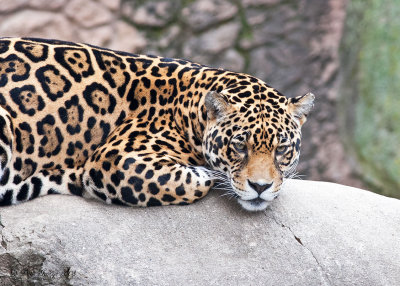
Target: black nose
[{"x": 259, "y": 188}]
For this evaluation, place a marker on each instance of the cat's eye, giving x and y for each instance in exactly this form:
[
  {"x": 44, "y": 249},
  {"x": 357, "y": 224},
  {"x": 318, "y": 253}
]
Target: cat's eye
[
  {"x": 281, "y": 149},
  {"x": 240, "y": 146}
]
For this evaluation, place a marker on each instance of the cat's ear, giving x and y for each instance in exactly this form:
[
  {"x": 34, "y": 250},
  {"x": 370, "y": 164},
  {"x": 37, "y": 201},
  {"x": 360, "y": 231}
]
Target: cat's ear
[
  {"x": 216, "y": 105},
  {"x": 301, "y": 106}
]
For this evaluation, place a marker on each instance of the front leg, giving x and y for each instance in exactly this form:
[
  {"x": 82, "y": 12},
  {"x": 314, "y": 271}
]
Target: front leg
[{"x": 146, "y": 166}]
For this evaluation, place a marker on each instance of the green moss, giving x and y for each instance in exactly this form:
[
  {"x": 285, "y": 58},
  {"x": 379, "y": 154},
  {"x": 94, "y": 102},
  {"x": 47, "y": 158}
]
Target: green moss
[
  {"x": 246, "y": 31},
  {"x": 376, "y": 131}
]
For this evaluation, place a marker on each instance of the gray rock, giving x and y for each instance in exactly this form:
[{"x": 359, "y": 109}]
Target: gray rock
[
  {"x": 113, "y": 5},
  {"x": 45, "y": 4},
  {"x": 151, "y": 13},
  {"x": 32, "y": 23},
  {"x": 88, "y": 14},
  {"x": 203, "y": 14},
  {"x": 169, "y": 36},
  {"x": 282, "y": 21},
  {"x": 98, "y": 36},
  {"x": 314, "y": 234},
  {"x": 249, "y": 3},
  {"x": 127, "y": 38},
  {"x": 230, "y": 60},
  {"x": 282, "y": 66},
  {"x": 11, "y": 6},
  {"x": 209, "y": 44}
]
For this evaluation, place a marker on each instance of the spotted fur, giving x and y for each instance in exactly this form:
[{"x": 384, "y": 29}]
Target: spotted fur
[{"x": 139, "y": 130}]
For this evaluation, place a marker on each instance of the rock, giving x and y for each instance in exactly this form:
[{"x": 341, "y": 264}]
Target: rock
[
  {"x": 151, "y": 14},
  {"x": 315, "y": 234},
  {"x": 31, "y": 23},
  {"x": 230, "y": 60},
  {"x": 25, "y": 22},
  {"x": 283, "y": 66},
  {"x": 7, "y": 6},
  {"x": 169, "y": 36},
  {"x": 211, "y": 42},
  {"x": 88, "y": 13},
  {"x": 113, "y": 5},
  {"x": 249, "y": 3},
  {"x": 120, "y": 37},
  {"x": 46, "y": 5},
  {"x": 98, "y": 36},
  {"x": 202, "y": 14},
  {"x": 282, "y": 21},
  {"x": 261, "y": 63},
  {"x": 127, "y": 38}
]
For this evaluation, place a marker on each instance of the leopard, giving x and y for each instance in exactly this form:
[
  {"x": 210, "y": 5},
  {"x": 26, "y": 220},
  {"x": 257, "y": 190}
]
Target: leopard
[{"x": 139, "y": 130}]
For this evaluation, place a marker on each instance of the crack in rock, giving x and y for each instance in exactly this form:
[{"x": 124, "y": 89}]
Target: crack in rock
[
  {"x": 319, "y": 266},
  {"x": 3, "y": 242},
  {"x": 1, "y": 223}
]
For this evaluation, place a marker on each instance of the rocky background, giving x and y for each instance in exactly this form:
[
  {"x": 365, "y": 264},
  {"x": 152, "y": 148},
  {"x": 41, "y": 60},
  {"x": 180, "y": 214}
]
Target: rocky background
[{"x": 293, "y": 45}]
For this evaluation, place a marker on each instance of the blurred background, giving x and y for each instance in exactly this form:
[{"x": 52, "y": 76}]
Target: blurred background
[{"x": 346, "y": 53}]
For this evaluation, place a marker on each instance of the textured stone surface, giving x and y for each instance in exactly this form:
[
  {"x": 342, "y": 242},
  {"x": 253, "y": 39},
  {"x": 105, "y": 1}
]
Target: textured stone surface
[
  {"x": 231, "y": 60},
  {"x": 283, "y": 21},
  {"x": 292, "y": 45},
  {"x": 88, "y": 13},
  {"x": 98, "y": 36},
  {"x": 247, "y": 3},
  {"x": 113, "y": 5},
  {"x": 46, "y": 5},
  {"x": 127, "y": 38},
  {"x": 151, "y": 13},
  {"x": 211, "y": 43},
  {"x": 203, "y": 14},
  {"x": 314, "y": 234},
  {"x": 38, "y": 24},
  {"x": 9, "y": 6}
]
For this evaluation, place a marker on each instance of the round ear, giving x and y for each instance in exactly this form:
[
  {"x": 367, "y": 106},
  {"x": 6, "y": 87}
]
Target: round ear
[
  {"x": 301, "y": 106},
  {"x": 216, "y": 105}
]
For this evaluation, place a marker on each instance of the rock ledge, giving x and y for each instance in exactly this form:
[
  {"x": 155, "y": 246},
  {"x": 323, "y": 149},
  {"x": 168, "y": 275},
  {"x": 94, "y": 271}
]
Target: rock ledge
[{"x": 314, "y": 234}]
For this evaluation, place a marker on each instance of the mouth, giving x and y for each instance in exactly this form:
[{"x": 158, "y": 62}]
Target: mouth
[
  {"x": 259, "y": 203},
  {"x": 254, "y": 205}
]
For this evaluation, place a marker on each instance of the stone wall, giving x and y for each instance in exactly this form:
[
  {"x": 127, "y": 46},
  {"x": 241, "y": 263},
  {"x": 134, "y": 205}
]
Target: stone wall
[{"x": 292, "y": 45}]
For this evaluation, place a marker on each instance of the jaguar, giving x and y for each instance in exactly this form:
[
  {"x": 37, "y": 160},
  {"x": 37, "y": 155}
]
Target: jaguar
[{"x": 139, "y": 130}]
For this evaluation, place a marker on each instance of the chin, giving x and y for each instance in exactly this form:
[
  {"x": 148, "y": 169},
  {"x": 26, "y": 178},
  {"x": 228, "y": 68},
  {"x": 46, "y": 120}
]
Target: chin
[{"x": 254, "y": 205}]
